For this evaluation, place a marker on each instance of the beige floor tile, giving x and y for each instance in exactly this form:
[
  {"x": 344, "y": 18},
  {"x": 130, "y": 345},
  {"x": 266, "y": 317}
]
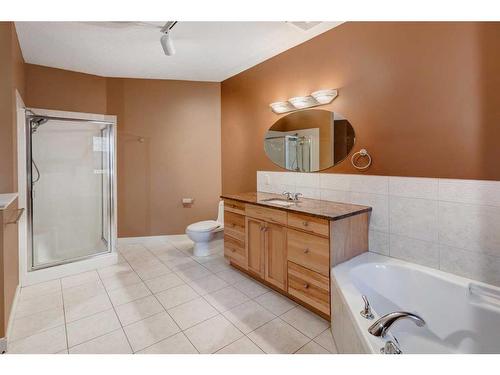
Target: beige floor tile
[
  {"x": 38, "y": 304},
  {"x": 177, "y": 344},
  {"x": 83, "y": 291},
  {"x": 90, "y": 306},
  {"x": 213, "y": 334},
  {"x": 128, "y": 293},
  {"x": 139, "y": 309},
  {"x": 305, "y": 321},
  {"x": 241, "y": 346},
  {"x": 115, "y": 269},
  {"x": 177, "y": 295},
  {"x": 251, "y": 288},
  {"x": 226, "y": 298},
  {"x": 152, "y": 270},
  {"x": 278, "y": 337},
  {"x": 192, "y": 312},
  {"x": 121, "y": 280},
  {"x": 194, "y": 272},
  {"x": 216, "y": 265},
  {"x": 161, "y": 249},
  {"x": 171, "y": 255},
  {"x": 248, "y": 316},
  {"x": 111, "y": 343},
  {"x": 91, "y": 327},
  {"x": 207, "y": 284},
  {"x": 164, "y": 282},
  {"x": 41, "y": 289},
  {"x": 36, "y": 323},
  {"x": 47, "y": 342},
  {"x": 231, "y": 276},
  {"x": 325, "y": 339},
  {"x": 206, "y": 259},
  {"x": 312, "y": 348},
  {"x": 151, "y": 330},
  {"x": 81, "y": 278},
  {"x": 276, "y": 303},
  {"x": 179, "y": 263}
]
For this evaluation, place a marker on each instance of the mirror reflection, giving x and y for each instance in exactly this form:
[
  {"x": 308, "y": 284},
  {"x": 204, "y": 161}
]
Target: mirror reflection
[{"x": 309, "y": 140}]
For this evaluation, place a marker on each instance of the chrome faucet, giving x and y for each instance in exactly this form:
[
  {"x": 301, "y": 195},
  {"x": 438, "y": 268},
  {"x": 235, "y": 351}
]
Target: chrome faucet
[
  {"x": 367, "y": 310},
  {"x": 292, "y": 197},
  {"x": 382, "y": 325},
  {"x": 296, "y": 196}
]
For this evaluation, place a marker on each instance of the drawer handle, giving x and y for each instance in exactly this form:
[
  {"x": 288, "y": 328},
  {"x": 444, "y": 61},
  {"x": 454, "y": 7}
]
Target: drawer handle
[
  {"x": 233, "y": 250},
  {"x": 306, "y": 250},
  {"x": 233, "y": 225},
  {"x": 305, "y": 223},
  {"x": 306, "y": 286}
]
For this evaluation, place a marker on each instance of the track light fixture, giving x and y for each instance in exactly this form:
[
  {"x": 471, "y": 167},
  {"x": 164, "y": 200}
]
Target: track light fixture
[{"x": 166, "y": 40}]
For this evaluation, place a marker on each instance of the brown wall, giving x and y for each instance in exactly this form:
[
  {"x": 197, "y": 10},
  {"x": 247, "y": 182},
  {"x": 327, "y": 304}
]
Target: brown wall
[
  {"x": 58, "y": 89},
  {"x": 11, "y": 79},
  {"x": 179, "y": 122},
  {"x": 422, "y": 98}
]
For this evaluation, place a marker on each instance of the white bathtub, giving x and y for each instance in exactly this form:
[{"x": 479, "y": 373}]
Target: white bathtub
[{"x": 461, "y": 315}]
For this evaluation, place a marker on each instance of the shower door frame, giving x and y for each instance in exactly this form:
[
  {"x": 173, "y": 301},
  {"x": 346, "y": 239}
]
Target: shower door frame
[{"x": 29, "y": 190}]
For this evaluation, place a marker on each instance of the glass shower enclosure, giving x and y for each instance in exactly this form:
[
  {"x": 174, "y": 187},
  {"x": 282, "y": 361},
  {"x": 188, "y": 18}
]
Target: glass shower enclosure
[{"x": 70, "y": 189}]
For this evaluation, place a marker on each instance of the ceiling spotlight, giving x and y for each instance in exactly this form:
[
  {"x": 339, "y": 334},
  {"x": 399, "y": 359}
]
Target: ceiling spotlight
[{"x": 166, "y": 40}]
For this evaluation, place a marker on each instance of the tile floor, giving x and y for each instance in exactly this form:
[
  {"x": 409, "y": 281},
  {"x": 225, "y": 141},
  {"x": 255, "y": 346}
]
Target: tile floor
[{"x": 161, "y": 299}]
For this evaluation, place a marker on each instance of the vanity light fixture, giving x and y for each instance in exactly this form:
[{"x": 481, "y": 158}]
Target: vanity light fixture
[
  {"x": 282, "y": 107},
  {"x": 300, "y": 102},
  {"x": 325, "y": 96},
  {"x": 319, "y": 97}
]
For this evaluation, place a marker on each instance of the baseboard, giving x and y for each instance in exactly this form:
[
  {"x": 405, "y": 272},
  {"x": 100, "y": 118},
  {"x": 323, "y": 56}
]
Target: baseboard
[
  {"x": 133, "y": 240},
  {"x": 3, "y": 345}
]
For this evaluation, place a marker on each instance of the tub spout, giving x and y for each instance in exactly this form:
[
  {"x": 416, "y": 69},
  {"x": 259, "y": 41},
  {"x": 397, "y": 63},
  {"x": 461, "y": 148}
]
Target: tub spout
[{"x": 382, "y": 325}]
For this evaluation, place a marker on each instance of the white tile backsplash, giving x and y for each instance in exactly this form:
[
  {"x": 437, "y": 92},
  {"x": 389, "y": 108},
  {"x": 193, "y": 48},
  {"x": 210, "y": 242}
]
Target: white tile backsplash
[
  {"x": 452, "y": 225},
  {"x": 414, "y": 218}
]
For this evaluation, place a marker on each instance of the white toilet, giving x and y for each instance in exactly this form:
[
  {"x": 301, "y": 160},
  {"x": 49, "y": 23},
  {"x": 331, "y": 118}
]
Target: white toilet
[{"x": 207, "y": 235}]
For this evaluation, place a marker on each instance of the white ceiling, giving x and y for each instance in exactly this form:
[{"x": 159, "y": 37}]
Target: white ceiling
[{"x": 206, "y": 51}]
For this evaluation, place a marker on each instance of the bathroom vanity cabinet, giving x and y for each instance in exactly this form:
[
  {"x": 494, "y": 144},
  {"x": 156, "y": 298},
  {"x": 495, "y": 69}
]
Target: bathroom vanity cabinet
[{"x": 292, "y": 248}]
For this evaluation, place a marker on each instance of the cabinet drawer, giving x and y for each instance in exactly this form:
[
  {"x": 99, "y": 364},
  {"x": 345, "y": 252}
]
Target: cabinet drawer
[
  {"x": 235, "y": 249},
  {"x": 309, "y": 250},
  {"x": 309, "y": 223},
  {"x": 310, "y": 287},
  {"x": 267, "y": 214},
  {"x": 234, "y": 225},
  {"x": 234, "y": 206}
]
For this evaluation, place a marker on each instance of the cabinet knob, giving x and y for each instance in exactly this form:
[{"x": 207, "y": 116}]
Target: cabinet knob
[
  {"x": 233, "y": 225},
  {"x": 233, "y": 250},
  {"x": 305, "y": 223},
  {"x": 306, "y": 286},
  {"x": 306, "y": 250}
]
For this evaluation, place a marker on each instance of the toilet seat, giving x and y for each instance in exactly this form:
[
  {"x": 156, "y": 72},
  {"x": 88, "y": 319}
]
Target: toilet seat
[{"x": 204, "y": 226}]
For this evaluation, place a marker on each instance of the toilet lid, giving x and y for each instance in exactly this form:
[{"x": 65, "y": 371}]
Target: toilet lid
[{"x": 204, "y": 226}]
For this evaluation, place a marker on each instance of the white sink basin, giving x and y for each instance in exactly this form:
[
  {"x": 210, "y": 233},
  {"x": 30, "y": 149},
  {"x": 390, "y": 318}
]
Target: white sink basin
[{"x": 279, "y": 202}]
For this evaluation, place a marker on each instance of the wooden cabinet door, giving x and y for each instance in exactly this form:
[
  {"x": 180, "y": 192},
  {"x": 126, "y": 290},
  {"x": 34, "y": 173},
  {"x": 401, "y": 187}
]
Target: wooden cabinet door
[
  {"x": 255, "y": 246},
  {"x": 275, "y": 255}
]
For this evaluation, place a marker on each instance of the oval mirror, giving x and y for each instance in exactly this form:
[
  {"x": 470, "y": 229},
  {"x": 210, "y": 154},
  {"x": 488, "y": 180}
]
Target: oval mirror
[{"x": 309, "y": 140}]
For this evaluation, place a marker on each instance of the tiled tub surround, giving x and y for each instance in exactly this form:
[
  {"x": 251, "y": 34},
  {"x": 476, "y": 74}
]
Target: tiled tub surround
[
  {"x": 161, "y": 299},
  {"x": 452, "y": 225}
]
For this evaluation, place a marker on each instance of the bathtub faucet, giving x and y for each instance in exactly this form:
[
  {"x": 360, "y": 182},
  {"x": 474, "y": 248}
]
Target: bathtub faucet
[{"x": 382, "y": 325}]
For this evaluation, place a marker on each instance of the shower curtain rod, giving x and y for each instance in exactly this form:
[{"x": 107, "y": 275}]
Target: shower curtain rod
[{"x": 69, "y": 119}]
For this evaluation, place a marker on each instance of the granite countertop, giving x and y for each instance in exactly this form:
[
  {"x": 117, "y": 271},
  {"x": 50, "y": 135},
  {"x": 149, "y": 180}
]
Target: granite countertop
[
  {"x": 7, "y": 199},
  {"x": 314, "y": 207}
]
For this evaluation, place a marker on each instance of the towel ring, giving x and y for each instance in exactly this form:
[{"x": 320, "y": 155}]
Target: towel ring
[{"x": 358, "y": 154}]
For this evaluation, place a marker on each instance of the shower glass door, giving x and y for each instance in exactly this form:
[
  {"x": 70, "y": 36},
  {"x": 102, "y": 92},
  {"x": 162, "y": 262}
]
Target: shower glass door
[{"x": 71, "y": 190}]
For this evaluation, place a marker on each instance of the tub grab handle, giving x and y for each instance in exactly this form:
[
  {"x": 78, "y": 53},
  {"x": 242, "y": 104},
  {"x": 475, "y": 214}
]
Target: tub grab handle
[{"x": 485, "y": 292}]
